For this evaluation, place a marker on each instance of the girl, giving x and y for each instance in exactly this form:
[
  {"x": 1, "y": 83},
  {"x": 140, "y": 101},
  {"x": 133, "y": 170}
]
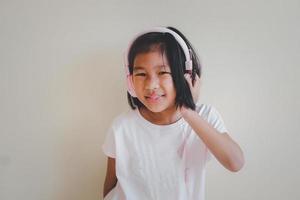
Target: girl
[{"x": 158, "y": 150}]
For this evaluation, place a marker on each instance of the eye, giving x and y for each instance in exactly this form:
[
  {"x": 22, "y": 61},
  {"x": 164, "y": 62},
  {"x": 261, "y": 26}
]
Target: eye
[
  {"x": 140, "y": 74},
  {"x": 164, "y": 72}
]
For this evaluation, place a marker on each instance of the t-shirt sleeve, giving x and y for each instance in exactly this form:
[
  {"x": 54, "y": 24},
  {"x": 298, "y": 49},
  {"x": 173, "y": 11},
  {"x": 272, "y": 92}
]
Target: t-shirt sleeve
[
  {"x": 215, "y": 119},
  {"x": 109, "y": 145}
]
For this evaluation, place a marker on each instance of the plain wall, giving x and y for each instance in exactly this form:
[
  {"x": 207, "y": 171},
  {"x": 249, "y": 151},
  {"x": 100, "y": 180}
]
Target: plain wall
[{"x": 62, "y": 83}]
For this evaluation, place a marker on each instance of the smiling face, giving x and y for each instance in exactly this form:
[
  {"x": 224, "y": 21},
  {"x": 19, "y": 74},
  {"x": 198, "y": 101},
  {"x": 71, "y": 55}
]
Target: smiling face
[{"x": 152, "y": 81}]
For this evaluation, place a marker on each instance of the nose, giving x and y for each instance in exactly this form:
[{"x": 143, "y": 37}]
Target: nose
[{"x": 152, "y": 82}]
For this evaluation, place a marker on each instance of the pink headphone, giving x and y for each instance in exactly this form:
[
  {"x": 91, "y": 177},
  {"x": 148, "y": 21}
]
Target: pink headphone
[{"x": 186, "y": 50}]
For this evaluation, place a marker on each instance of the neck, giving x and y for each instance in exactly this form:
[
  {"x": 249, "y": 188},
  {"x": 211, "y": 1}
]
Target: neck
[{"x": 166, "y": 117}]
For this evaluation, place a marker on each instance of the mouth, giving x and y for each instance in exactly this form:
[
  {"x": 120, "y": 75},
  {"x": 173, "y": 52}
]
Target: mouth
[{"x": 154, "y": 98}]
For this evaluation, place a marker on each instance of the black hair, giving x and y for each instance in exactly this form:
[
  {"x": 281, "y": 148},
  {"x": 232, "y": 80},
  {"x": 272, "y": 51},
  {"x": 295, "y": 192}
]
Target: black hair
[{"x": 166, "y": 43}]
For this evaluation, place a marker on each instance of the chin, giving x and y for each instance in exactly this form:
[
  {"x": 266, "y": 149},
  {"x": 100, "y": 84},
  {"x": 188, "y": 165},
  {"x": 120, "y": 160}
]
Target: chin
[{"x": 156, "y": 108}]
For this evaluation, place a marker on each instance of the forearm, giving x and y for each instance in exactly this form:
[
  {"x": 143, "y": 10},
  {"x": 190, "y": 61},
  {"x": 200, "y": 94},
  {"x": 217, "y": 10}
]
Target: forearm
[
  {"x": 227, "y": 152},
  {"x": 108, "y": 186}
]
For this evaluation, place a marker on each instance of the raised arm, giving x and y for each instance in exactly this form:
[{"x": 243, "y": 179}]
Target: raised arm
[{"x": 227, "y": 151}]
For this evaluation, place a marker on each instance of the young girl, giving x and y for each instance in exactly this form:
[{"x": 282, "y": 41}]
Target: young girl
[{"x": 158, "y": 150}]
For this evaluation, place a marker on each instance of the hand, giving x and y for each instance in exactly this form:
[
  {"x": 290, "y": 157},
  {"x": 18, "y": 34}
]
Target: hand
[{"x": 195, "y": 88}]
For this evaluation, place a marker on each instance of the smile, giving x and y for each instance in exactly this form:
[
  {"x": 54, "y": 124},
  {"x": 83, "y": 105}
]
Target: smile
[{"x": 154, "y": 98}]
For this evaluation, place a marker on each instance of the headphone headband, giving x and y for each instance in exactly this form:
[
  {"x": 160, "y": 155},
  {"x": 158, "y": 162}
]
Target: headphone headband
[{"x": 186, "y": 50}]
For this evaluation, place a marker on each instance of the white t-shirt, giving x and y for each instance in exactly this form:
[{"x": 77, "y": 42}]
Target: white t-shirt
[{"x": 159, "y": 162}]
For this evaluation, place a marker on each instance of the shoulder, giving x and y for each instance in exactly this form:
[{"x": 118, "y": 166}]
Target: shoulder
[
  {"x": 212, "y": 116},
  {"x": 205, "y": 110},
  {"x": 124, "y": 118},
  {"x": 209, "y": 112}
]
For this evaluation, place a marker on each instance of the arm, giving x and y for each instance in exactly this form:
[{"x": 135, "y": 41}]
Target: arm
[
  {"x": 110, "y": 178},
  {"x": 227, "y": 152}
]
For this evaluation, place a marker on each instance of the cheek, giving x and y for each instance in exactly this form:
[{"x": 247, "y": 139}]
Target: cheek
[
  {"x": 167, "y": 82},
  {"x": 137, "y": 81},
  {"x": 168, "y": 85}
]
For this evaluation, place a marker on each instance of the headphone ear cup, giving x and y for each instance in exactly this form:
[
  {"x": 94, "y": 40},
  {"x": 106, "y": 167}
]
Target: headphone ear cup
[{"x": 130, "y": 86}]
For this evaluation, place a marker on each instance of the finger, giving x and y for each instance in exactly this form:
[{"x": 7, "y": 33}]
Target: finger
[
  {"x": 188, "y": 76},
  {"x": 188, "y": 79},
  {"x": 188, "y": 72},
  {"x": 197, "y": 80}
]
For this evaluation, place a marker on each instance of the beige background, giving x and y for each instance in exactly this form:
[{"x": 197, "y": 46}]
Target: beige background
[{"x": 62, "y": 82}]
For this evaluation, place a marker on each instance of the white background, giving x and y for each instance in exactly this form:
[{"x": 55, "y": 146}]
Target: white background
[{"x": 62, "y": 82}]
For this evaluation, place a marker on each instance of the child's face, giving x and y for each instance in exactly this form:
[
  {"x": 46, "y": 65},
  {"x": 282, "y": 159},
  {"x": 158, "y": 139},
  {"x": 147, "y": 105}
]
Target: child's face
[{"x": 153, "y": 81}]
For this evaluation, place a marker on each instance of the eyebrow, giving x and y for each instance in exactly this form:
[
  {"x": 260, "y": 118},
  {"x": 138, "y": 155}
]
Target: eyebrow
[{"x": 136, "y": 68}]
